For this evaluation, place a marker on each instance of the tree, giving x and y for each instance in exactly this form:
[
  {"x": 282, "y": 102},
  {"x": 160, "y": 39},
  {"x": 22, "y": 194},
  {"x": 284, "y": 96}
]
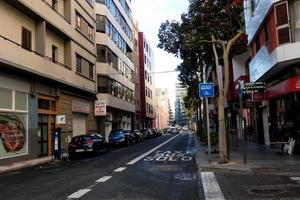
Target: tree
[{"x": 209, "y": 33}]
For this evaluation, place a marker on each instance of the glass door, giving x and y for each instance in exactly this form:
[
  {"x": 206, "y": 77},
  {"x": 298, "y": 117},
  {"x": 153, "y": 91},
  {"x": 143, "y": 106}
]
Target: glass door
[{"x": 43, "y": 134}]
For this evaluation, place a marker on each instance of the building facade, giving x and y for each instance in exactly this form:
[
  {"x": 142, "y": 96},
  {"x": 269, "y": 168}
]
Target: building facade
[
  {"x": 47, "y": 69},
  {"x": 162, "y": 108},
  {"x": 146, "y": 82},
  {"x": 115, "y": 67},
  {"x": 274, "y": 39}
]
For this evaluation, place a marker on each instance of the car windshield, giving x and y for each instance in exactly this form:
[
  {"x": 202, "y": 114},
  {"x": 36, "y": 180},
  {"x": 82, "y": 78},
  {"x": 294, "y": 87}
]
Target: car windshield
[{"x": 116, "y": 132}]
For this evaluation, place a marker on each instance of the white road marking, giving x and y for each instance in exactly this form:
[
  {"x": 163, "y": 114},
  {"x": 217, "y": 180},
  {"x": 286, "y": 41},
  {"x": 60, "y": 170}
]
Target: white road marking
[
  {"x": 120, "y": 169},
  {"x": 78, "y": 194},
  {"x": 210, "y": 186},
  {"x": 103, "y": 179},
  {"x": 150, "y": 151},
  {"x": 295, "y": 178}
]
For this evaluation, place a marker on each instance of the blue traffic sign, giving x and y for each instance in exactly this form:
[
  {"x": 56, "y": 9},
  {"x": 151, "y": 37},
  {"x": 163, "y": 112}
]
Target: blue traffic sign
[{"x": 206, "y": 90}]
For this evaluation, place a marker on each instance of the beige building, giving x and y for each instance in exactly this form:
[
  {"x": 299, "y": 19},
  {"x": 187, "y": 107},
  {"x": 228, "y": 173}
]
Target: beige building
[
  {"x": 115, "y": 67},
  {"x": 47, "y": 68},
  {"x": 162, "y": 108}
]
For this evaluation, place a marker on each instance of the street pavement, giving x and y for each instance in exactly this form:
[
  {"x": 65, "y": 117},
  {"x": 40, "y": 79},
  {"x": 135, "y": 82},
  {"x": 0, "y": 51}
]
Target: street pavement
[{"x": 159, "y": 168}]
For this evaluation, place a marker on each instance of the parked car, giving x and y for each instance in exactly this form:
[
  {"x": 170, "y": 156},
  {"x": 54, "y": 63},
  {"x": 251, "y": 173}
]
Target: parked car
[
  {"x": 174, "y": 131},
  {"x": 147, "y": 133},
  {"x": 156, "y": 132},
  {"x": 138, "y": 135},
  {"x": 120, "y": 136},
  {"x": 185, "y": 128},
  {"x": 92, "y": 144}
]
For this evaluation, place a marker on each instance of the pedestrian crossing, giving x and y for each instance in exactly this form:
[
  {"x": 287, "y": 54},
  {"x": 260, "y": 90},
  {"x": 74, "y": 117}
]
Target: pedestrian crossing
[{"x": 295, "y": 178}]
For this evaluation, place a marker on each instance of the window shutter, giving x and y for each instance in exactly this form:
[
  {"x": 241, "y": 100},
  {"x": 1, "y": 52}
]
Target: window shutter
[{"x": 282, "y": 23}]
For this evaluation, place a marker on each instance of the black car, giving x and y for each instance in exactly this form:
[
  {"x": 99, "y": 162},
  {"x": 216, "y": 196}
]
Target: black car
[
  {"x": 92, "y": 144},
  {"x": 138, "y": 135},
  {"x": 121, "y": 136}
]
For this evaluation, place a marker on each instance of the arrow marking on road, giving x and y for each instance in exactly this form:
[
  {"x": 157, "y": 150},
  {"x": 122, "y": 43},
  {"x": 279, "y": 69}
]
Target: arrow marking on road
[
  {"x": 78, "y": 194},
  {"x": 150, "y": 151}
]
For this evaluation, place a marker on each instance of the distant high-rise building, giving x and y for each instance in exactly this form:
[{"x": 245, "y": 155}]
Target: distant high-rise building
[{"x": 181, "y": 117}]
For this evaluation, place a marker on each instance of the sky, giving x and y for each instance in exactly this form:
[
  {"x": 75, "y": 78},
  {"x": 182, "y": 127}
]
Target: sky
[{"x": 150, "y": 14}]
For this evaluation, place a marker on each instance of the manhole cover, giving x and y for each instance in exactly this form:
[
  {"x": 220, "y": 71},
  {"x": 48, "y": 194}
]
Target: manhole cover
[{"x": 267, "y": 190}]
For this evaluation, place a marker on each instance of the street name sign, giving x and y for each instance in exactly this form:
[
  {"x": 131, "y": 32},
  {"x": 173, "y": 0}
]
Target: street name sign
[
  {"x": 206, "y": 90},
  {"x": 254, "y": 87}
]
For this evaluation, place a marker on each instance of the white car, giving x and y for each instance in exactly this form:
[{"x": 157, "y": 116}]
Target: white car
[{"x": 185, "y": 128}]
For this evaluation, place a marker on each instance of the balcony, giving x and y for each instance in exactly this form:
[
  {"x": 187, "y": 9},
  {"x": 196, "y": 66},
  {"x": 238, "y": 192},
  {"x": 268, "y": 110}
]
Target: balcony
[
  {"x": 115, "y": 102},
  {"x": 265, "y": 64},
  {"x": 13, "y": 55}
]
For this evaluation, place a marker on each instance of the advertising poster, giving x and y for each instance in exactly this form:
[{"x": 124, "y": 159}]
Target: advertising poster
[
  {"x": 100, "y": 108},
  {"x": 13, "y": 134}
]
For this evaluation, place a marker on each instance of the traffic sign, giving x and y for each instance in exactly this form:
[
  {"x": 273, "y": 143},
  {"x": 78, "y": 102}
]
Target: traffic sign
[{"x": 206, "y": 90}]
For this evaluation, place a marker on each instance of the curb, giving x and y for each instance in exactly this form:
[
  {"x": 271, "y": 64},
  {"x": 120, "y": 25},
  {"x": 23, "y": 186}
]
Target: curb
[{"x": 25, "y": 164}]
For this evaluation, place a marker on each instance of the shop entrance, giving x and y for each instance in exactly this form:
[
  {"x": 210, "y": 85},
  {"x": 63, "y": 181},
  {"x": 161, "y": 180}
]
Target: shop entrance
[{"x": 46, "y": 124}]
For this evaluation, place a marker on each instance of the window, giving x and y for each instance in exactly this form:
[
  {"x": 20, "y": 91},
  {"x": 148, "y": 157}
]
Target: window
[
  {"x": 78, "y": 63},
  {"x": 91, "y": 70},
  {"x": 78, "y": 21},
  {"x": 297, "y": 20},
  {"x": 101, "y": 53},
  {"x": 54, "y": 53},
  {"x": 100, "y": 23},
  {"x": 20, "y": 101},
  {"x": 90, "y": 32},
  {"x": 266, "y": 32},
  {"x": 26, "y": 39},
  {"x": 257, "y": 43},
  {"x": 54, "y": 4},
  {"x": 282, "y": 23},
  {"x": 6, "y": 99}
]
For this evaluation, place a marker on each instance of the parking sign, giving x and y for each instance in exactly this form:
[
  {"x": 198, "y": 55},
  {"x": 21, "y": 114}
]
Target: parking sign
[{"x": 206, "y": 90}]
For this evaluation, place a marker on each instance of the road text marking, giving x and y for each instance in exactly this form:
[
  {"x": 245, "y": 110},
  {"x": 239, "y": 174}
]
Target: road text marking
[
  {"x": 150, "y": 151},
  {"x": 103, "y": 179},
  {"x": 120, "y": 169},
  {"x": 210, "y": 186},
  {"x": 78, "y": 194},
  {"x": 172, "y": 156}
]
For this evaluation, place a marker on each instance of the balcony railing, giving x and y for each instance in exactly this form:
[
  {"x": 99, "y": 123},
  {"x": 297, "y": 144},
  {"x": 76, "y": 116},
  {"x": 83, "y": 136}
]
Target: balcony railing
[{"x": 36, "y": 53}]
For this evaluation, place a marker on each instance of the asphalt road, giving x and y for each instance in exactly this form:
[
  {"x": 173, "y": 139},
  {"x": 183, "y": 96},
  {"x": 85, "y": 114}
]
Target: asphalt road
[{"x": 159, "y": 168}]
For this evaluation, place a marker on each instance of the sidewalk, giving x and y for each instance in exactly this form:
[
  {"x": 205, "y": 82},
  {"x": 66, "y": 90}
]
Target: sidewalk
[
  {"x": 260, "y": 159},
  {"x": 25, "y": 164}
]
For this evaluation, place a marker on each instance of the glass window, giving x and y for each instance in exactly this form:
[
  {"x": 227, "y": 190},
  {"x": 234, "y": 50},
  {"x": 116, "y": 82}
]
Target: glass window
[
  {"x": 78, "y": 63},
  {"x": 44, "y": 104},
  {"x": 101, "y": 53},
  {"x": 6, "y": 99},
  {"x": 91, "y": 70},
  {"x": 78, "y": 21},
  {"x": 21, "y": 101}
]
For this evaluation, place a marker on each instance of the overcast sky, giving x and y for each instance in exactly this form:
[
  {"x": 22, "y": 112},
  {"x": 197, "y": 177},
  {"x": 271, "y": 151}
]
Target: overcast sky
[{"x": 150, "y": 14}]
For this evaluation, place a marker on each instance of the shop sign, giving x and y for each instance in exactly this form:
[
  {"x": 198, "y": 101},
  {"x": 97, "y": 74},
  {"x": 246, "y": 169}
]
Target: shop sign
[
  {"x": 100, "y": 108},
  {"x": 81, "y": 107},
  {"x": 61, "y": 119},
  {"x": 13, "y": 133}
]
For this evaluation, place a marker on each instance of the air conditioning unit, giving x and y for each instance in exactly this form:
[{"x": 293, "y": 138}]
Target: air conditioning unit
[{"x": 109, "y": 117}]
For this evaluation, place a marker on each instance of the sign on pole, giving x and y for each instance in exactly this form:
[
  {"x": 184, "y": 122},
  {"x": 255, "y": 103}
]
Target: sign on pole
[
  {"x": 100, "y": 108},
  {"x": 206, "y": 90}
]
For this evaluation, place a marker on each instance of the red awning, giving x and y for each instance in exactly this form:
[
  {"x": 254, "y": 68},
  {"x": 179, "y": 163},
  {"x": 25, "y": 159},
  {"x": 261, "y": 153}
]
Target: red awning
[{"x": 285, "y": 87}]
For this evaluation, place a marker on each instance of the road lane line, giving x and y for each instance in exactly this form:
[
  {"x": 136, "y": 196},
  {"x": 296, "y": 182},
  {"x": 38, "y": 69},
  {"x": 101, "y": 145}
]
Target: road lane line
[
  {"x": 211, "y": 187},
  {"x": 78, "y": 194},
  {"x": 103, "y": 179},
  {"x": 150, "y": 151},
  {"x": 120, "y": 169},
  {"x": 295, "y": 178}
]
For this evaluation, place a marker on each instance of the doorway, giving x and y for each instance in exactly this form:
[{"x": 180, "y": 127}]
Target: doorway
[{"x": 46, "y": 126}]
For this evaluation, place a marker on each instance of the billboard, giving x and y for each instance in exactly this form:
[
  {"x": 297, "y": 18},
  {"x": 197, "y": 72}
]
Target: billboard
[{"x": 13, "y": 134}]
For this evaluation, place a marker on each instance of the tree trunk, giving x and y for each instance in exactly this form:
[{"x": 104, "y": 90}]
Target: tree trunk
[{"x": 222, "y": 129}]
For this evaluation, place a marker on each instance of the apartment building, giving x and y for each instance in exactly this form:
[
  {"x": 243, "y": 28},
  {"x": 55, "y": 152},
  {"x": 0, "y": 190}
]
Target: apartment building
[
  {"x": 137, "y": 94},
  {"x": 47, "y": 69},
  {"x": 146, "y": 82},
  {"x": 115, "y": 67},
  {"x": 181, "y": 117},
  {"x": 162, "y": 108},
  {"x": 273, "y": 29}
]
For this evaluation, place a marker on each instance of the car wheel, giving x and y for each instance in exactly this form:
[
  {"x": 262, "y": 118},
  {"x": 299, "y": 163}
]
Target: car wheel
[{"x": 127, "y": 142}]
